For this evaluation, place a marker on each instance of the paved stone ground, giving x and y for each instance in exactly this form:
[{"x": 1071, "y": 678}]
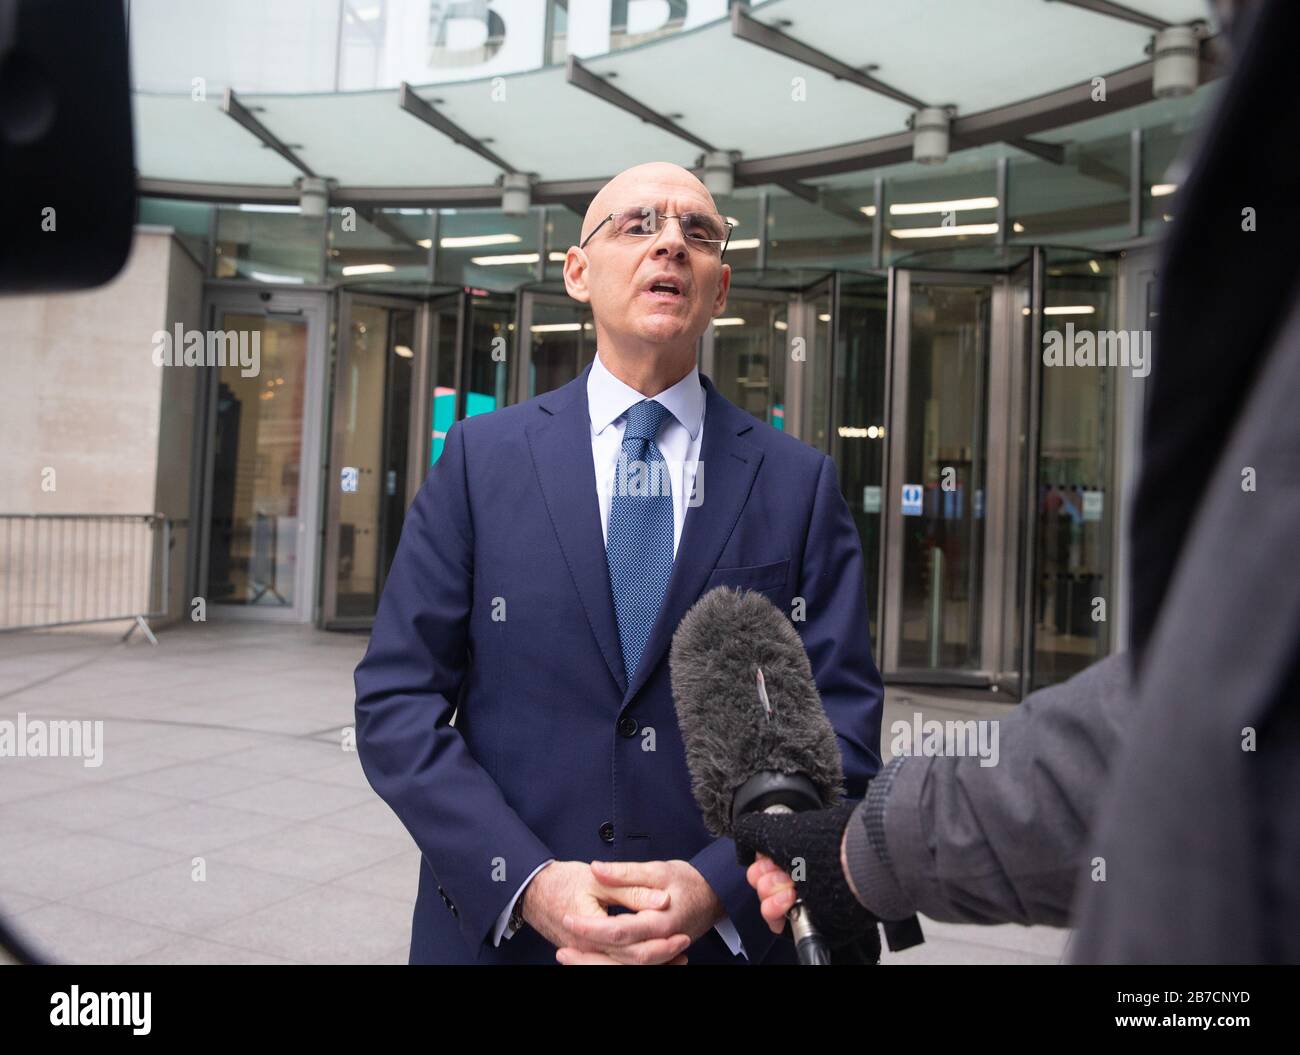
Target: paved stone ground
[{"x": 222, "y": 752}]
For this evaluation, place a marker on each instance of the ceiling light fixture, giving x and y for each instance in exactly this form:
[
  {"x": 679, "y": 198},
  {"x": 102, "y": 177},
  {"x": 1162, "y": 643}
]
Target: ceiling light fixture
[
  {"x": 918, "y": 208},
  {"x": 944, "y": 232},
  {"x": 930, "y": 135},
  {"x": 1177, "y": 54},
  {"x": 516, "y": 193},
  {"x": 719, "y": 173},
  {"x": 471, "y": 240}
]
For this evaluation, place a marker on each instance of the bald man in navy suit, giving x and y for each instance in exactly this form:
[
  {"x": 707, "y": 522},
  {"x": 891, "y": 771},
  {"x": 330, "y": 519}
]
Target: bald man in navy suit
[{"x": 514, "y": 706}]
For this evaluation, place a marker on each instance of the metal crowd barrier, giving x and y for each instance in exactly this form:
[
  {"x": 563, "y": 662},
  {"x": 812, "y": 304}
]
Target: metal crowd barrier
[{"x": 69, "y": 569}]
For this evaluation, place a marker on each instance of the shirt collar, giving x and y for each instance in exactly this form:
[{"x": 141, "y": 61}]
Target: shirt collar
[{"x": 608, "y": 398}]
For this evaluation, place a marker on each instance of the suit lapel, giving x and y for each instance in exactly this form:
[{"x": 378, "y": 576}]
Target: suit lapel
[{"x": 559, "y": 442}]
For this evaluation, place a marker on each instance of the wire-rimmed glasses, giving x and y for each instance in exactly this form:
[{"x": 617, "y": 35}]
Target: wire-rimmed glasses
[{"x": 704, "y": 230}]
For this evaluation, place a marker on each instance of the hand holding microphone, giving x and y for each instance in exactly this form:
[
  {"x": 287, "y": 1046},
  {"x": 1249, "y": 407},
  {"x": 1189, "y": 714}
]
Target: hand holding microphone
[
  {"x": 805, "y": 848},
  {"x": 759, "y": 745}
]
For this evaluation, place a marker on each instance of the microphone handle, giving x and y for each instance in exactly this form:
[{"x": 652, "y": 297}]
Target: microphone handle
[{"x": 808, "y": 943}]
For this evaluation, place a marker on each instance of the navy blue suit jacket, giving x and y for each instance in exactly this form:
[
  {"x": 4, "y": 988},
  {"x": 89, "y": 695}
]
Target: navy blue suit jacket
[{"x": 498, "y": 611}]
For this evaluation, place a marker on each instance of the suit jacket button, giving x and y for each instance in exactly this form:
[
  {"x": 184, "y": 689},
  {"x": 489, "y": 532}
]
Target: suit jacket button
[
  {"x": 607, "y": 832},
  {"x": 627, "y": 726}
]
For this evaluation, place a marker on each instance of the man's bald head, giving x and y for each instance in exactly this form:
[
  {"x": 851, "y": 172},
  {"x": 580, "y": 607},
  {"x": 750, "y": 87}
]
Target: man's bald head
[
  {"x": 647, "y": 184},
  {"x": 653, "y": 294}
]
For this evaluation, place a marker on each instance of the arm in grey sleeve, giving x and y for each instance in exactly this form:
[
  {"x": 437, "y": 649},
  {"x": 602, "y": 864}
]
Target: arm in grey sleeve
[{"x": 1003, "y": 843}]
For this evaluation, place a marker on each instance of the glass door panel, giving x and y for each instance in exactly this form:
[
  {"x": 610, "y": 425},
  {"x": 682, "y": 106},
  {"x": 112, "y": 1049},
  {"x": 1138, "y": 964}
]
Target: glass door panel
[
  {"x": 371, "y": 440},
  {"x": 858, "y": 442},
  {"x": 488, "y": 353},
  {"x": 750, "y": 341},
  {"x": 819, "y": 332},
  {"x": 938, "y": 474},
  {"x": 257, "y": 467},
  {"x": 561, "y": 339},
  {"x": 1075, "y": 502},
  {"x": 446, "y": 323}
]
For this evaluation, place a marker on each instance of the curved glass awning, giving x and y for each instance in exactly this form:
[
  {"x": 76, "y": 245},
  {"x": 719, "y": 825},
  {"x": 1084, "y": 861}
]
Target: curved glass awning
[{"x": 1011, "y": 69}]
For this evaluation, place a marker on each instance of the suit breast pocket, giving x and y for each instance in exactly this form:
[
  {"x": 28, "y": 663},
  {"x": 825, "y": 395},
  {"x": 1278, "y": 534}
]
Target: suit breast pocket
[{"x": 762, "y": 578}]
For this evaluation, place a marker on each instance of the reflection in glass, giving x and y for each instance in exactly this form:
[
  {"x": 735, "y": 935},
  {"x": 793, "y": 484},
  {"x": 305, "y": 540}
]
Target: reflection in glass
[
  {"x": 486, "y": 248},
  {"x": 492, "y": 331},
  {"x": 371, "y": 428},
  {"x": 1084, "y": 199},
  {"x": 257, "y": 463},
  {"x": 563, "y": 341},
  {"x": 749, "y": 354},
  {"x": 380, "y": 245},
  {"x": 835, "y": 233},
  {"x": 268, "y": 243},
  {"x": 1074, "y": 502},
  {"x": 818, "y": 369},
  {"x": 944, "y": 453},
  {"x": 445, "y": 320},
  {"x": 860, "y": 412},
  {"x": 928, "y": 210}
]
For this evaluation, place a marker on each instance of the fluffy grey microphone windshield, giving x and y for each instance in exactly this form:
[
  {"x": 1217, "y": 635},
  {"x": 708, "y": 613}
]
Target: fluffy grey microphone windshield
[{"x": 728, "y": 733}]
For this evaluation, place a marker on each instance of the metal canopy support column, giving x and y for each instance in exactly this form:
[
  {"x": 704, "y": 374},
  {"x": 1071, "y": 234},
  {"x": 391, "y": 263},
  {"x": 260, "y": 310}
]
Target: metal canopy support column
[
  {"x": 1033, "y": 426},
  {"x": 243, "y": 115},
  {"x": 1001, "y": 192},
  {"x": 747, "y": 28},
  {"x": 877, "y": 222},
  {"x": 580, "y": 77},
  {"x": 410, "y": 101},
  {"x": 1126, "y": 14},
  {"x": 1135, "y": 183}
]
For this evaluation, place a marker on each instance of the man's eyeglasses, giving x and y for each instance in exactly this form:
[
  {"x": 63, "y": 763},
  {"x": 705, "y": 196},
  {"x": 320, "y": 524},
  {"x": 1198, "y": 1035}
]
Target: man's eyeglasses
[{"x": 704, "y": 230}]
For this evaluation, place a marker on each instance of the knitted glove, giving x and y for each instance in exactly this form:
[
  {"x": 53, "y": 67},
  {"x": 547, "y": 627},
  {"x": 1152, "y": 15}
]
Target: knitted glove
[{"x": 814, "y": 838}]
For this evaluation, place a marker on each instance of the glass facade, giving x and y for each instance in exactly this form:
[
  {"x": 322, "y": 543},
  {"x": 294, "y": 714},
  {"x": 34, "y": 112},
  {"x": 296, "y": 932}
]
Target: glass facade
[
  {"x": 562, "y": 339},
  {"x": 373, "y": 389},
  {"x": 945, "y": 461},
  {"x": 191, "y": 220},
  {"x": 257, "y": 468},
  {"x": 380, "y": 245},
  {"x": 274, "y": 244},
  {"x": 477, "y": 298},
  {"x": 859, "y": 402},
  {"x": 1076, "y": 503},
  {"x": 804, "y": 234},
  {"x": 487, "y": 248},
  {"x": 943, "y": 207},
  {"x": 1084, "y": 198},
  {"x": 750, "y": 352}
]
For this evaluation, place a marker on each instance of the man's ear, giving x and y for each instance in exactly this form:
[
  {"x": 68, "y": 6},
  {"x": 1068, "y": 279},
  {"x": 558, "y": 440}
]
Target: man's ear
[
  {"x": 576, "y": 265},
  {"x": 724, "y": 284}
]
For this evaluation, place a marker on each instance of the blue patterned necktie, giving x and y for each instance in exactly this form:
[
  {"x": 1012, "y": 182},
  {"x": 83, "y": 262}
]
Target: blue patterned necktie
[{"x": 639, "y": 542}]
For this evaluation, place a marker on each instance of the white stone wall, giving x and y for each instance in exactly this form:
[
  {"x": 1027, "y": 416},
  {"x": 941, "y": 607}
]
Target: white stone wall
[{"x": 88, "y": 424}]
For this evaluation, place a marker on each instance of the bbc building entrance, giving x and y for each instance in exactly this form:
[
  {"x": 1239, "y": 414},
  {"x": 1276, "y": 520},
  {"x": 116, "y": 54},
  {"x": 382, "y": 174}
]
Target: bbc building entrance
[
  {"x": 387, "y": 196},
  {"x": 983, "y": 484}
]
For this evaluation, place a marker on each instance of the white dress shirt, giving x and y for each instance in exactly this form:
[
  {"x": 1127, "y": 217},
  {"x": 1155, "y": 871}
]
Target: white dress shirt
[{"x": 608, "y": 400}]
